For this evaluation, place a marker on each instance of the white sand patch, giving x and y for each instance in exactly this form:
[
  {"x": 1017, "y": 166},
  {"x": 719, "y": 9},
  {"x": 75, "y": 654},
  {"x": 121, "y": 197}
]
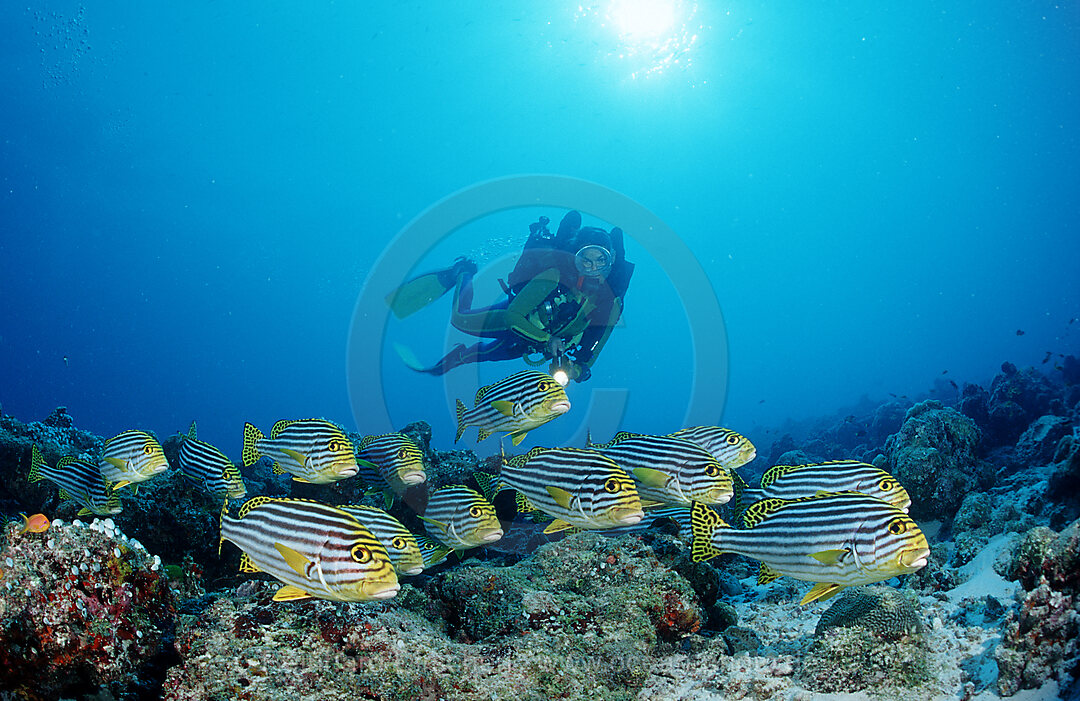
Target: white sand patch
[{"x": 981, "y": 577}]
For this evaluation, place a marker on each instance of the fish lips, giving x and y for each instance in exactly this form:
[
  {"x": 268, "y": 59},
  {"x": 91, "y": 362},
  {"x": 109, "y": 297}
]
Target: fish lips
[
  {"x": 560, "y": 407},
  {"x": 490, "y": 536},
  {"x": 414, "y": 477},
  {"x": 629, "y": 518},
  {"x": 386, "y": 591},
  {"x": 915, "y": 559}
]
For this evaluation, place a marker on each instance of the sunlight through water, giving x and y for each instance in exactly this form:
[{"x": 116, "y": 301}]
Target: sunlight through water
[{"x": 649, "y": 36}]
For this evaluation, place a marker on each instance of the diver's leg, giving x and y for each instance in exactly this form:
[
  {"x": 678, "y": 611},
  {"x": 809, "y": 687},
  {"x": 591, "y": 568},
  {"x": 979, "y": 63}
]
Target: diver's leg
[{"x": 506, "y": 347}]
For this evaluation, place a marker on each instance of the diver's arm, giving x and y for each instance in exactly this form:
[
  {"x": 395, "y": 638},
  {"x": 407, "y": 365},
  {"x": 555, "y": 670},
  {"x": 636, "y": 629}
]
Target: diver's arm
[{"x": 597, "y": 334}]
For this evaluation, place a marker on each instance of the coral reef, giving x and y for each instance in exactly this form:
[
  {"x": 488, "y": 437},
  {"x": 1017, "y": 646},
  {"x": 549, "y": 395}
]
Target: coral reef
[
  {"x": 81, "y": 607},
  {"x": 1017, "y": 397},
  {"x": 887, "y": 613},
  {"x": 1041, "y": 640},
  {"x": 934, "y": 457},
  {"x": 852, "y": 659}
]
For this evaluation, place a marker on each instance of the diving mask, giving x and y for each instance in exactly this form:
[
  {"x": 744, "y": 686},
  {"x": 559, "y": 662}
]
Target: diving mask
[{"x": 593, "y": 261}]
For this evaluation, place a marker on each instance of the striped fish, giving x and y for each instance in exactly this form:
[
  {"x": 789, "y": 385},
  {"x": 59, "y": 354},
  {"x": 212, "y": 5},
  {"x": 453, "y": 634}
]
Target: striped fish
[
  {"x": 400, "y": 544},
  {"x": 580, "y": 488},
  {"x": 461, "y": 518},
  {"x": 836, "y": 540},
  {"x": 670, "y": 470},
  {"x": 207, "y": 466},
  {"x": 432, "y": 551},
  {"x": 796, "y": 481},
  {"x": 678, "y": 513},
  {"x": 398, "y": 461},
  {"x": 515, "y": 405},
  {"x": 316, "y": 549},
  {"x": 131, "y": 457},
  {"x": 732, "y": 449},
  {"x": 80, "y": 481},
  {"x": 311, "y": 450}
]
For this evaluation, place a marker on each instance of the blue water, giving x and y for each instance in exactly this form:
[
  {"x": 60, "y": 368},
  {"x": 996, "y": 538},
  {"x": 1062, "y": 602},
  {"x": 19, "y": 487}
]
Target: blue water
[{"x": 195, "y": 193}]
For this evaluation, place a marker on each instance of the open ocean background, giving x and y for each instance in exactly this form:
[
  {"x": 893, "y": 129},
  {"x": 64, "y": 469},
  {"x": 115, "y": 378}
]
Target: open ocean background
[{"x": 194, "y": 193}]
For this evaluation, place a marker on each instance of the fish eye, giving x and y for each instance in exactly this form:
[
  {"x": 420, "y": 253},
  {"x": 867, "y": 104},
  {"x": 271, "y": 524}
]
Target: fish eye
[
  {"x": 361, "y": 554},
  {"x": 886, "y": 485},
  {"x": 475, "y": 511},
  {"x": 712, "y": 471},
  {"x": 402, "y": 453},
  {"x": 543, "y": 386},
  {"x": 148, "y": 449},
  {"x": 733, "y": 439},
  {"x": 398, "y": 543},
  {"x": 897, "y": 527},
  {"x": 335, "y": 446},
  {"x": 611, "y": 485}
]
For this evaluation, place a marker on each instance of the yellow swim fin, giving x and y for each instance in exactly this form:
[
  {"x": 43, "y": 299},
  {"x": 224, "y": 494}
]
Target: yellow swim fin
[{"x": 414, "y": 295}]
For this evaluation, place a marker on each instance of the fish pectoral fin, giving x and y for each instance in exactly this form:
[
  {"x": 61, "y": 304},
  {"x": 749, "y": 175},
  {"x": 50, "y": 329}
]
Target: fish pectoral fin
[
  {"x": 433, "y": 522},
  {"x": 360, "y": 462},
  {"x": 651, "y": 478},
  {"x": 117, "y": 463},
  {"x": 561, "y": 496},
  {"x": 121, "y": 484},
  {"x": 293, "y": 559},
  {"x": 503, "y": 407},
  {"x": 301, "y": 479},
  {"x": 295, "y": 455},
  {"x": 291, "y": 593},
  {"x": 557, "y": 525},
  {"x": 246, "y": 565},
  {"x": 516, "y": 438},
  {"x": 821, "y": 592},
  {"x": 830, "y": 557},
  {"x": 767, "y": 574}
]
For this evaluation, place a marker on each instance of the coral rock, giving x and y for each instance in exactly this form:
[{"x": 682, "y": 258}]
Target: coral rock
[{"x": 884, "y": 611}]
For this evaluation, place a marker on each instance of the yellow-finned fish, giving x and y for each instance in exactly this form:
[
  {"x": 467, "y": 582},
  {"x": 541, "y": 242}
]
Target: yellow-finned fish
[
  {"x": 206, "y": 466},
  {"x": 400, "y": 544},
  {"x": 836, "y": 540},
  {"x": 316, "y": 549},
  {"x": 515, "y": 405},
  {"x": 796, "y": 481},
  {"x": 579, "y": 488},
  {"x": 79, "y": 481},
  {"x": 669, "y": 470},
  {"x": 131, "y": 457},
  {"x": 311, "y": 450},
  {"x": 732, "y": 449},
  {"x": 461, "y": 518},
  {"x": 398, "y": 461}
]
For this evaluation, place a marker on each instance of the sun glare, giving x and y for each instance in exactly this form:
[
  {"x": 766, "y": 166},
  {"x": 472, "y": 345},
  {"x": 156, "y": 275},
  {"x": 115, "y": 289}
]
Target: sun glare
[{"x": 648, "y": 36}]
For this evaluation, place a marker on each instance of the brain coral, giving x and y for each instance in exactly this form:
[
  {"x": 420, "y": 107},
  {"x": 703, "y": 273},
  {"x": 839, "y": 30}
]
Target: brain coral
[{"x": 882, "y": 610}]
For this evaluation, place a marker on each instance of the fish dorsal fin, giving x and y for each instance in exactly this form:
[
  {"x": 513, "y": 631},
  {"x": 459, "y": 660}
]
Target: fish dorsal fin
[
  {"x": 533, "y": 453},
  {"x": 253, "y": 503},
  {"x": 280, "y": 426},
  {"x": 759, "y": 511},
  {"x": 562, "y": 497},
  {"x": 830, "y": 557},
  {"x": 766, "y": 574},
  {"x": 516, "y": 438},
  {"x": 291, "y": 593},
  {"x": 622, "y": 436},
  {"x": 66, "y": 461},
  {"x": 481, "y": 392},
  {"x": 651, "y": 478},
  {"x": 246, "y": 565},
  {"x": 503, "y": 407},
  {"x": 192, "y": 432},
  {"x": 821, "y": 592},
  {"x": 776, "y": 472},
  {"x": 293, "y": 559},
  {"x": 558, "y": 525},
  {"x": 487, "y": 483}
]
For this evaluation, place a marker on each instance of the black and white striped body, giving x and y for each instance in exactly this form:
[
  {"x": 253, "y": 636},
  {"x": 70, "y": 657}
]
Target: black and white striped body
[
  {"x": 131, "y": 457},
  {"x": 317, "y": 549},
  {"x": 842, "y": 539},
  {"x": 399, "y": 463},
  {"x": 582, "y": 488},
  {"x": 207, "y": 466},
  {"x": 796, "y": 481},
  {"x": 311, "y": 450},
  {"x": 400, "y": 544},
  {"x": 670, "y": 470},
  {"x": 79, "y": 481},
  {"x": 461, "y": 518},
  {"x": 732, "y": 449},
  {"x": 516, "y": 405}
]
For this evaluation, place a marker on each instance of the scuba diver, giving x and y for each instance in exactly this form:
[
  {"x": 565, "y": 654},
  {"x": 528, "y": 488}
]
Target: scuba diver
[{"x": 562, "y": 301}]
